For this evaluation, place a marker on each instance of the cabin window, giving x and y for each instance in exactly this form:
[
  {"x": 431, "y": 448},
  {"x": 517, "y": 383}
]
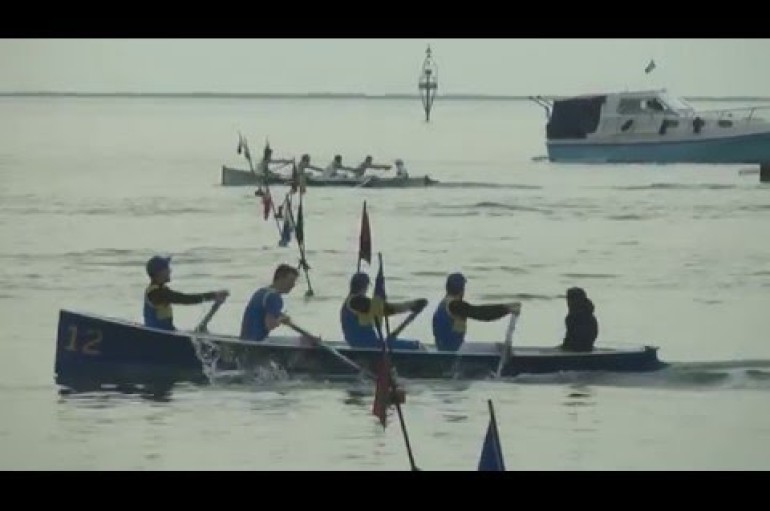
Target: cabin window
[
  {"x": 725, "y": 123},
  {"x": 630, "y": 106},
  {"x": 575, "y": 117},
  {"x": 634, "y": 106}
]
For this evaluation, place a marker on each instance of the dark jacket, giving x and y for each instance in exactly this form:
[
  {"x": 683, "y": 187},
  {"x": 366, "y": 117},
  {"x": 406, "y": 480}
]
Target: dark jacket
[{"x": 582, "y": 327}]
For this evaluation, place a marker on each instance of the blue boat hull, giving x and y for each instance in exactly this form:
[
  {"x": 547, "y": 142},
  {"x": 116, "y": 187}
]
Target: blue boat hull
[
  {"x": 98, "y": 351},
  {"x": 754, "y": 148}
]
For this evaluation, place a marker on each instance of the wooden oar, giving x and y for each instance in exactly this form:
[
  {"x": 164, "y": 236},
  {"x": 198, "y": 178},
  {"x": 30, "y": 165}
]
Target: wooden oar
[
  {"x": 318, "y": 342},
  {"x": 404, "y": 324},
  {"x": 507, "y": 346},
  {"x": 201, "y": 328}
]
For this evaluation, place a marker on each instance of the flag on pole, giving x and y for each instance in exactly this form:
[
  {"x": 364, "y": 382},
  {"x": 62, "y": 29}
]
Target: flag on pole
[
  {"x": 382, "y": 392},
  {"x": 294, "y": 178},
  {"x": 491, "y": 453},
  {"x": 246, "y": 152},
  {"x": 365, "y": 239},
  {"x": 267, "y": 202},
  {"x": 299, "y": 229},
  {"x": 650, "y": 67},
  {"x": 285, "y": 232},
  {"x": 379, "y": 297}
]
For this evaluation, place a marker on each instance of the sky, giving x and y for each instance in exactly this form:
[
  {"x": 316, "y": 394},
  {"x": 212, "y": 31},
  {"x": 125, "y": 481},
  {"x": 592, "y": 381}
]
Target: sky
[{"x": 689, "y": 67}]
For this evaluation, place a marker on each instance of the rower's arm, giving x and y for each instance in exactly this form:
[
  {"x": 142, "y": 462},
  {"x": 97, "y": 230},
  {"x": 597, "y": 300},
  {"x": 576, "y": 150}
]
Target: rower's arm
[
  {"x": 273, "y": 315},
  {"x": 381, "y": 167},
  {"x": 464, "y": 309},
  {"x": 281, "y": 161},
  {"x": 363, "y": 305},
  {"x": 165, "y": 295},
  {"x": 313, "y": 167}
]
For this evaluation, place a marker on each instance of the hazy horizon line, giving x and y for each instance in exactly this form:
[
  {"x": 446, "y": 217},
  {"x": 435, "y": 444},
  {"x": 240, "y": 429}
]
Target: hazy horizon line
[{"x": 329, "y": 95}]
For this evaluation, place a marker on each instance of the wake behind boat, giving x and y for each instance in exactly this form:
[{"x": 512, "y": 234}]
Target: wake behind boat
[
  {"x": 92, "y": 350},
  {"x": 239, "y": 177}
]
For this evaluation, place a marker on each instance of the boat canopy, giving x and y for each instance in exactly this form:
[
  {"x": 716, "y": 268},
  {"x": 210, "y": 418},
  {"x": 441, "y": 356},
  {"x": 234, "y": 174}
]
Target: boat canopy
[{"x": 575, "y": 117}]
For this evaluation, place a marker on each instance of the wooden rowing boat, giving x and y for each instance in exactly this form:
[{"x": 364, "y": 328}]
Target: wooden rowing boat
[
  {"x": 239, "y": 177},
  {"x": 91, "y": 350}
]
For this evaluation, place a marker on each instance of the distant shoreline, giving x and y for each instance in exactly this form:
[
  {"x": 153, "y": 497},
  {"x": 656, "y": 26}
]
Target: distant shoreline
[{"x": 322, "y": 95}]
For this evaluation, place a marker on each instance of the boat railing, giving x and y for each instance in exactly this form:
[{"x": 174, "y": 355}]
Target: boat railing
[
  {"x": 727, "y": 113},
  {"x": 545, "y": 103}
]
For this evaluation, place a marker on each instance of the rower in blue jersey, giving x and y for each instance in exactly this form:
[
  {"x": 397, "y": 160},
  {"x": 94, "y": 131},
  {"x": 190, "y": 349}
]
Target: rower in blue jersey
[
  {"x": 158, "y": 298},
  {"x": 452, "y": 313},
  {"x": 264, "y": 312},
  {"x": 358, "y": 321}
]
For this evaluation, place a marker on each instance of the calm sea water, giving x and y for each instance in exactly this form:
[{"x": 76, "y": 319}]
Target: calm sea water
[{"x": 675, "y": 256}]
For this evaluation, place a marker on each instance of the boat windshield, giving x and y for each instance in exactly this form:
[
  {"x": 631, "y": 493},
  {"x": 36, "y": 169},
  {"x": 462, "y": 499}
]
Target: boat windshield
[{"x": 676, "y": 104}]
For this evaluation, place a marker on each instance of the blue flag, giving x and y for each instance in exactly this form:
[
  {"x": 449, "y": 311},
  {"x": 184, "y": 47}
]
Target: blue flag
[
  {"x": 285, "y": 233},
  {"x": 379, "y": 297},
  {"x": 491, "y": 452}
]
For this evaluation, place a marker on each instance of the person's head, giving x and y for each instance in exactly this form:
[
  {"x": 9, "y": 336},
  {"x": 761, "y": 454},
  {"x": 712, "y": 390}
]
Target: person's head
[
  {"x": 159, "y": 269},
  {"x": 399, "y": 164},
  {"x": 267, "y": 153},
  {"x": 368, "y": 160},
  {"x": 305, "y": 158},
  {"x": 576, "y": 298},
  {"x": 455, "y": 284},
  {"x": 359, "y": 283},
  {"x": 284, "y": 278},
  {"x": 338, "y": 159}
]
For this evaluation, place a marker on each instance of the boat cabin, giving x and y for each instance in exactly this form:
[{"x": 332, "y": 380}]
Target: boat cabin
[{"x": 652, "y": 112}]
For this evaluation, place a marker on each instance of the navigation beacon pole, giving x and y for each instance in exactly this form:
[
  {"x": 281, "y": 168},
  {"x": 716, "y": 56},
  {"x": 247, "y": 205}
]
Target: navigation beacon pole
[{"x": 428, "y": 84}]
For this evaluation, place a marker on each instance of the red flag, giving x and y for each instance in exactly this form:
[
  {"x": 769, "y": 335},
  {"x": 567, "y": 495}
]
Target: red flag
[
  {"x": 382, "y": 391},
  {"x": 387, "y": 392},
  {"x": 365, "y": 240},
  {"x": 266, "y": 203}
]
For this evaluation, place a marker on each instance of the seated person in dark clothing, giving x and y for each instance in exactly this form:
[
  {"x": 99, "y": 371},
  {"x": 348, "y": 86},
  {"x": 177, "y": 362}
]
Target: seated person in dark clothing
[
  {"x": 449, "y": 319},
  {"x": 582, "y": 327},
  {"x": 357, "y": 318}
]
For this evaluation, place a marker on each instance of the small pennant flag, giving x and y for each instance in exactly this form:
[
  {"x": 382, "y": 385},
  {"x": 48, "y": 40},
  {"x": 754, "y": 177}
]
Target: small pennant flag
[
  {"x": 246, "y": 152},
  {"x": 650, "y": 67},
  {"x": 286, "y": 232},
  {"x": 299, "y": 229},
  {"x": 267, "y": 202},
  {"x": 382, "y": 391},
  {"x": 491, "y": 453},
  {"x": 379, "y": 297},
  {"x": 365, "y": 239},
  {"x": 295, "y": 184}
]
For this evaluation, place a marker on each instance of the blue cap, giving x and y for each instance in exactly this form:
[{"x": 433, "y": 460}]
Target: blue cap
[
  {"x": 455, "y": 283},
  {"x": 359, "y": 281},
  {"x": 156, "y": 264}
]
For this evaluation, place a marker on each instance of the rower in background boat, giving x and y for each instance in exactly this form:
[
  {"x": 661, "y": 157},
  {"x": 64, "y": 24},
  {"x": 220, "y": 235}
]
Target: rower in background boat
[
  {"x": 367, "y": 164},
  {"x": 401, "y": 171},
  {"x": 263, "y": 167},
  {"x": 452, "y": 313},
  {"x": 332, "y": 170},
  {"x": 358, "y": 321},
  {"x": 158, "y": 298},
  {"x": 264, "y": 312},
  {"x": 304, "y": 165},
  {"x": 582, "y": 329}
]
